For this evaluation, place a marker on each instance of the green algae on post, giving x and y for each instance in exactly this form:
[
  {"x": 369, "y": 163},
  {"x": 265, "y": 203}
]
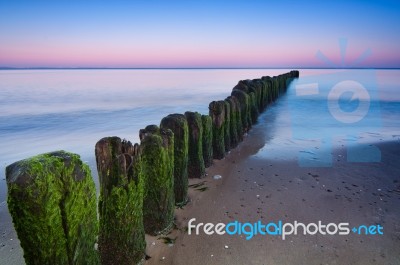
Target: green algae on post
[
  {"x": 121, "y": 237},
  {"x": 253, "y": 108},
  {"x": 157, "y": 160},
  {"x": 52, "y": 200},
  {"x": 256, "y": 86},
  {"x": 178, "y": 125},
  {"x": 227, "y": 126},
  {"x": 217, "y": 113},
  {"x": 268, "y": 88},
  {"x": 264, "y": 94},
  {"x": 207, "y": 140},
  {"x": 196, "y": 168},
  {"x": 244, "y": 104},
  {"x": 239, "y": 123},
  {"x": 233, "y": 122}
]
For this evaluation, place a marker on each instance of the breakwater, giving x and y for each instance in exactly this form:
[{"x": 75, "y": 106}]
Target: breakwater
[{"x": 139, "y": 184}]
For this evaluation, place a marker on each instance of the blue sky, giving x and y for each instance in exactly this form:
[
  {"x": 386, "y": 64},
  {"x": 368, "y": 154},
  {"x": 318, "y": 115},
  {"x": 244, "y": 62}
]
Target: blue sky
[{"x": 197, "y": 33}]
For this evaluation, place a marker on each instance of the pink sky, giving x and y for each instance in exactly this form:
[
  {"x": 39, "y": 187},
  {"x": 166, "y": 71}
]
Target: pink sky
[{"x": 72, "y": 34}]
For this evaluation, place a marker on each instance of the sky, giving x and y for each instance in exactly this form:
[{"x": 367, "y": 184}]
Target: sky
[{"x": 199, "y": 34}]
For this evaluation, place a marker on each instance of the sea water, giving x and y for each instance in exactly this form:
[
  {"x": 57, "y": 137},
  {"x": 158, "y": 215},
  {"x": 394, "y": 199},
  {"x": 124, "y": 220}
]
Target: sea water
[
  {"x": 325, "y": 110},
  {"x": 47, "y": 110}
]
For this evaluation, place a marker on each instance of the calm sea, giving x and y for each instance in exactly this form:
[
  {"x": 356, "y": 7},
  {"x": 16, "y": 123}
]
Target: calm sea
[{"x": 47, "y": 110}]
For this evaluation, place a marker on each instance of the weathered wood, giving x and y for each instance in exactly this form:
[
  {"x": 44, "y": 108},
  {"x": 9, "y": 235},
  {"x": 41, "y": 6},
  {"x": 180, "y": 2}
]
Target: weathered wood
[
  {"x": 121, "y": 237},
  {"x": 196, "y": 168},
  {"x": 52, "y": 201},
  {"x": 207, "y": 140},
  {"x": 157, "y": 156},
  {"x": 253, "y": 107},
  {"x": 234, "y": 121},
  {"x": 256, "y": 87},
  {"x": 217, "y": 114},
  {"x": 177, "y": 123},
  {"x": 244, "y": 104},
  {"x": 227, "y": 126}
]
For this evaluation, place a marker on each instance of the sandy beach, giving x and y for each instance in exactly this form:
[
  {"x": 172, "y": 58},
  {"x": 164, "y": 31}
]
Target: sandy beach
[{"x": 253, "y": 188}]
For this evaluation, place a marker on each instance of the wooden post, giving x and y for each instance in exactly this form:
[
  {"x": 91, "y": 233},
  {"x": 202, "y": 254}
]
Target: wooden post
[
  {"x": 234, "y": 121},
  {"x": 253, "y": 108},
  {"x": 217, "y": 114},
  {"x": 121, "y": 238},
  {"x": 243, "y": 99},
  {"x": 157, "y": 156},
  {"x": 52, "y": 201},
  {"x": 196, "y": 168},
  {"x": 227, "y": 126},
  {"x": 178, "y": 125},
  {"x": 207, "y": 140}
]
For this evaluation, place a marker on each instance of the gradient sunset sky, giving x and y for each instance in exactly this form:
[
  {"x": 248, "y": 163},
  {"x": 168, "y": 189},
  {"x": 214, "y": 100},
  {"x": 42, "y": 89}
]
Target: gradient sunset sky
[{"x": 199, "y": 33}]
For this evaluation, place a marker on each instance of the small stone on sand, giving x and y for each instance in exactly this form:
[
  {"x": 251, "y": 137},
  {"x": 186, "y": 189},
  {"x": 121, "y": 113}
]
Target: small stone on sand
[{"x": 216, "y": 177}]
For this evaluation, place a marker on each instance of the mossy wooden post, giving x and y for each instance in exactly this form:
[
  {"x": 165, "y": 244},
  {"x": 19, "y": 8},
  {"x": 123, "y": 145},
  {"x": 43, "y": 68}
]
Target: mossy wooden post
[
  {"x": 207, "y": 140},
  {"x": 269, "y": 94},
  {"x": 157, "y": 160},
  {"x": 121, "y": 237},
  {"x": 52, "y": 200},
  {"x": 253, "y": 108},
  {"x": 260, "y": 85},
  {"x": 283, "y": 79},
  {"x": 282, "y": 84},
  {"x": 265, "y": 93},
  {"x": 239, "y": 123},
  {"x": 271, "y": 89},
  {"x": 257, "y": 88},
  {"x": 196, "y": 168},
  {"x": 178, "y": 125},
  {"x": 278, "y": 85},
  {"x": 262, "y": 94},
  {"x": 227, "y": 126},
  {"x": 242, "y": 85},
  {"x": 275, "y": 87},
  {"x": 233, "y": 121},
  {"x": 217, "y": 114},
  {"x": 243, "y": 99}
]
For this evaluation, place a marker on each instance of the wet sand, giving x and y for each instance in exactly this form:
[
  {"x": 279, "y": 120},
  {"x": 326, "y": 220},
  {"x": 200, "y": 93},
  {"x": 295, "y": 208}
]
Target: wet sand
[
  {"x": 10, "y": 249},
  {"x": 253, "y": 188}
]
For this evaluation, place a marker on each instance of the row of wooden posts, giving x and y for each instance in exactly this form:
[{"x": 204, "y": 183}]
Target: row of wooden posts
[{"x": 52, "y": 197}]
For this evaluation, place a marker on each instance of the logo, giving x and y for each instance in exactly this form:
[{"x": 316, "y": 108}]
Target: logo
[
  {"x": 283, "y": 230},
  {"x": 340, "y": 108}
]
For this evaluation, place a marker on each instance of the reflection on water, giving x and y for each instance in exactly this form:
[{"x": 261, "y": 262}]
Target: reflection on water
[{"x": 318, "y": 114}]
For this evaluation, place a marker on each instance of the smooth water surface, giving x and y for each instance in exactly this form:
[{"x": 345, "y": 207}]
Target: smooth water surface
[{"x": 47, "y": 110}]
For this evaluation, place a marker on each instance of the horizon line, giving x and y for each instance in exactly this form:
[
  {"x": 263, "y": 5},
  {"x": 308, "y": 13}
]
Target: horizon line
[{"x": 183, "y": 68}]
